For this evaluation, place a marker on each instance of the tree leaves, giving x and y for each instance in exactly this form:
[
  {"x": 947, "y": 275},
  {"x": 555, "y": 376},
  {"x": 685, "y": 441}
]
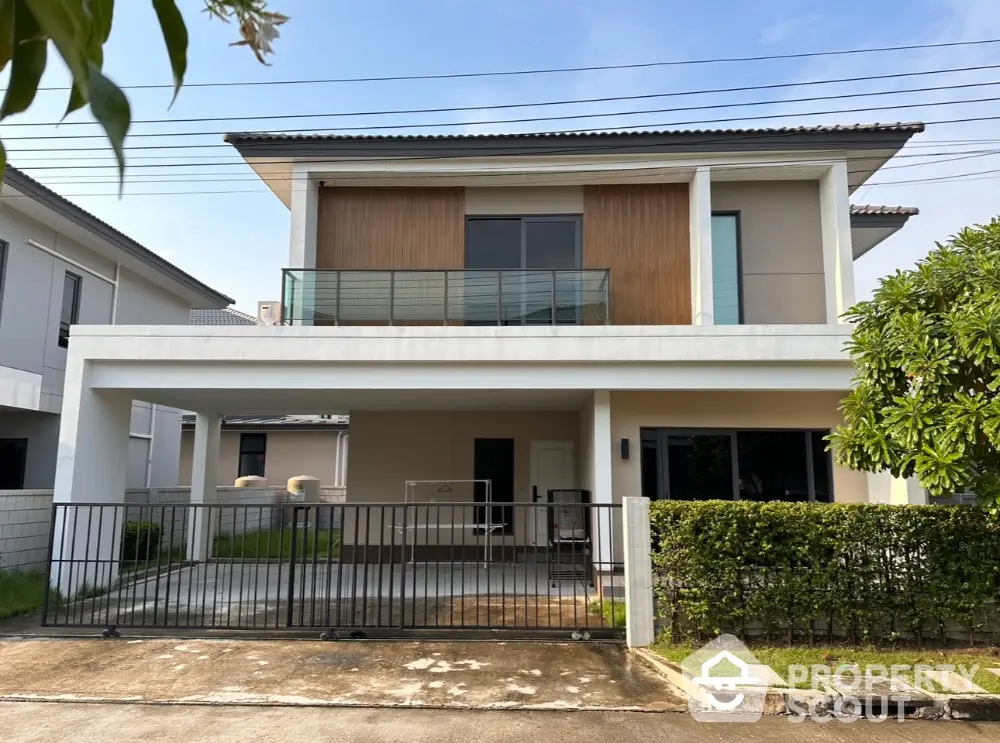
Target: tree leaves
[
  {"x": 28, "y": 60},
  {"x": 927, "y": 352},
  {"x": 79, "y": 29},
  {"x": 175, "y": 35},
  {"x": 111, "y": 109}
]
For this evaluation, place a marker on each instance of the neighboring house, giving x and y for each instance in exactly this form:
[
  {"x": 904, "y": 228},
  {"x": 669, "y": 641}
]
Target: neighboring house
[
  {"x": 60, "y": 267},
  {"x": 221, "y": 316},
  {"x": 649, "y": 313},
  {"x": 277, "y": 447}
]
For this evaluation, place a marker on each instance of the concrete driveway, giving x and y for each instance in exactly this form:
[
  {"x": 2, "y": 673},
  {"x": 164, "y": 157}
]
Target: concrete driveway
[
  {"x": 555, "y": 676},
  {"x": 40, "y": 723}
]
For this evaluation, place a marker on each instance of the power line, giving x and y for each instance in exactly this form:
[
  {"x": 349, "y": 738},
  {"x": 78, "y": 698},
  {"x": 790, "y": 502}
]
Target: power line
[
  {"x": 640, "y": 148},
  {"x": 616, "y": 147},
  {"x": 558, "y": 70},
  {"x": 73, "y": 179},
  {"x": 958, "y": 177},
  {"x": 566, "y": 102},
  {"x": 236, "y": 160},
  {"x": 536, "y": 119}
]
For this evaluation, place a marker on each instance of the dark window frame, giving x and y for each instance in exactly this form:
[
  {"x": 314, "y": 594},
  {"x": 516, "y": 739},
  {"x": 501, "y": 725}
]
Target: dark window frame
[
  {"x": 4, "y": 249},
  {"x": 577, "y": 219},
  {"x": 74, "y": 312},
  {"x": 246, "y": 451},
  {"x": 739, "y": 258},
  {"x": 807, "y": 435}
]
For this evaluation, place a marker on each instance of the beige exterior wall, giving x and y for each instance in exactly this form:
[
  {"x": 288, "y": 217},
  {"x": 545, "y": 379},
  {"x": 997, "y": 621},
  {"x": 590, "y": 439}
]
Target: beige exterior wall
[
  {"x": 781, "y": 249},
  {"x": 526, "y": 200},
  {"x": 289, "y": 453},
  {"x": 631, "y": 411},
  {"x": 390, "y": 447}
]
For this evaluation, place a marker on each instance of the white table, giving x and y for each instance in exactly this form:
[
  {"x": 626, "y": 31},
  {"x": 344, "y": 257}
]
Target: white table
[{"x": 487, "y": 530}]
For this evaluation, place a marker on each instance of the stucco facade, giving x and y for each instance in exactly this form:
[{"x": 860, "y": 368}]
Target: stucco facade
[{"x": 320, "y": 453}]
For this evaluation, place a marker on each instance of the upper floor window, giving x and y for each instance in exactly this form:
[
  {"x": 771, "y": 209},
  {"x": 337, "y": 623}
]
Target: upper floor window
[
  {"x": 522, "y": 242},
  {"x": 3, "y": 271},
  {"x": 70, "y": 312},
  {"x": 727, "y": 289},
  {"x": 253, "y": 454}
]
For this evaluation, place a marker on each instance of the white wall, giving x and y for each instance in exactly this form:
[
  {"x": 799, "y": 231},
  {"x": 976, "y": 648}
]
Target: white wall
[
  {"x": 142, "y": 302},
  {"x": 29, "y": 328},
  {"x": 32, "y": 300},
  {"x": 42, "y": 432}
]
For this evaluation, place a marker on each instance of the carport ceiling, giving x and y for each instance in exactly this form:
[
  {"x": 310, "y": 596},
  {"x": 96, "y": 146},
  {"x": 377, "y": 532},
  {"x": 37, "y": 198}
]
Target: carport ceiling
[{"x": 342, "y": 402}]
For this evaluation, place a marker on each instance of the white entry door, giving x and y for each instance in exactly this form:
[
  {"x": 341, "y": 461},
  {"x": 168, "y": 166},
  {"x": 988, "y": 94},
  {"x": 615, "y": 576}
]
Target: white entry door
[{"x": 552, "y": 466}]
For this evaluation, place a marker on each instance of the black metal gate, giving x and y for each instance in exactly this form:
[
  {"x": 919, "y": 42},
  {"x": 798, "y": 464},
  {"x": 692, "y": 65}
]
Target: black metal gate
[{"x": 344, "y": 570}]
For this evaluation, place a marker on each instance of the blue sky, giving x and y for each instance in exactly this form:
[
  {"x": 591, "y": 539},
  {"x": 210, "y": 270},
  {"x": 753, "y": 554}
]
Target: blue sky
[{"x": 237, "y": 242}]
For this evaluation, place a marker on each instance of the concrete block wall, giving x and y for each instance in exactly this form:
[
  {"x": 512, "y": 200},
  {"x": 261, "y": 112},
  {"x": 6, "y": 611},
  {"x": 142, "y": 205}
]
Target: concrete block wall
[{"x": 25, "y": 522}]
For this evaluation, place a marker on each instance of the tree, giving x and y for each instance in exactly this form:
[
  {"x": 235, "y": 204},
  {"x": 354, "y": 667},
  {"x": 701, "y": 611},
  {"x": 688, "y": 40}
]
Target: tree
[
  {"x": 926, "y": 396},
  {"x": 78, "y": 29}
]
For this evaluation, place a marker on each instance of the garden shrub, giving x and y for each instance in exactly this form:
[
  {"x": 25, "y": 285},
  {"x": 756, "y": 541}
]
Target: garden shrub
[
  {"x": 140, "y": 540},
  {"x": 824, "y": 572}
]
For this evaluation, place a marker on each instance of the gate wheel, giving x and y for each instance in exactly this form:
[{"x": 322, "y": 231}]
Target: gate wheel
[{"x": 110, "y": 632}]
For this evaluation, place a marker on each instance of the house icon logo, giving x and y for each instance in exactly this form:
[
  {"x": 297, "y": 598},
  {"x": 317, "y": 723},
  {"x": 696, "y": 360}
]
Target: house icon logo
[
  {"x": 725, "y": 682},
  {"x": 722, "y": 683}
]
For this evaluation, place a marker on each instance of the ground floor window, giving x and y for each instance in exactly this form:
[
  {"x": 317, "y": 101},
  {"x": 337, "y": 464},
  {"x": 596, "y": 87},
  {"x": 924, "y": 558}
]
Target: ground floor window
[
  {"x": 760, "y": 465},
  {"x": 13, "y": 454},
  {"x": 253, "y": 454}
]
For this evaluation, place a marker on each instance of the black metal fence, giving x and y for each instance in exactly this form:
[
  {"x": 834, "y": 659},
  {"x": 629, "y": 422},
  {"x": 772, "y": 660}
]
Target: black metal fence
[{"x": 360, "y": 570}]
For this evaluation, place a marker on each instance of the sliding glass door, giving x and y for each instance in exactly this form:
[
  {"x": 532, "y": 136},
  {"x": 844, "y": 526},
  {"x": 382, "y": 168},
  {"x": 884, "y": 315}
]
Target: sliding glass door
[
  {"x": 760, "y": 465},
  {"x": 527, "y": 250}
]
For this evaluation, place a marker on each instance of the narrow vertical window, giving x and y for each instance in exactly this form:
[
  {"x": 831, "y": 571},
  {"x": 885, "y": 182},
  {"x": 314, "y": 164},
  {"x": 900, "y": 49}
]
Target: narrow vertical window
[
  {"x": 70, "y": 312},
  {"x": 726, "y": 289},
  {"x": 253, "y": 454}
]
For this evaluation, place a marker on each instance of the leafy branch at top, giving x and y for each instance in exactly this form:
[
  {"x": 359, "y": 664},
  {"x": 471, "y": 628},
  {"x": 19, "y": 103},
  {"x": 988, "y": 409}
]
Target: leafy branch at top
[{"x": 79, "y": 29}]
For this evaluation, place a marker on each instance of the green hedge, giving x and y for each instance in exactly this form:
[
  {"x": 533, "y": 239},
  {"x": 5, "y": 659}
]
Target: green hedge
[
  {"x": 140, "y": 541},
  {"x": 824, "y": 572}
]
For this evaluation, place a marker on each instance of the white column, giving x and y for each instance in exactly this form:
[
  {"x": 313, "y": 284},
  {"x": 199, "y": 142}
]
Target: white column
[
  {"x": 89, "y": 490},
  {"x": 204, "y": 484},
  {"x": 304, "y": 214},
  {"x": 700, "y": 202},
  {"x": 638, "y": 572},
  {"x": 838, "y": 255},
  {"x": 302, "y": 247},
  {"x": 602, "y": 526}
]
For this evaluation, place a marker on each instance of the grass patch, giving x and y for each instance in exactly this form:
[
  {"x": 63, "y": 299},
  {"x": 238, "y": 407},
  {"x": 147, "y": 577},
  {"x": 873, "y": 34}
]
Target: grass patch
[
  {"x": 20, "y": 593},
  {"x": 779, "y": 658},
  {"x": 277, "y": 543},
  {"x": 613, "y": 612}
]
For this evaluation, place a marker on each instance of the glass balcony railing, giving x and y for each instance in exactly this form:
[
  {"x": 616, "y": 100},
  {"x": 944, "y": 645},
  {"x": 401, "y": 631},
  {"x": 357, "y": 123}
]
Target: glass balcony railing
[{"x": 432, "y": 297}]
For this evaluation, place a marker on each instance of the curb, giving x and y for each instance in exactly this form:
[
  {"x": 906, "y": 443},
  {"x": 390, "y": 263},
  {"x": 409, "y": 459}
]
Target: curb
[{"x": 966, "y": 707}]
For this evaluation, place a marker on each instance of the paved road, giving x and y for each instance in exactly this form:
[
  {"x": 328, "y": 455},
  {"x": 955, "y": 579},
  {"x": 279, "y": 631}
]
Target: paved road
[{"x": 27, "y": 722}]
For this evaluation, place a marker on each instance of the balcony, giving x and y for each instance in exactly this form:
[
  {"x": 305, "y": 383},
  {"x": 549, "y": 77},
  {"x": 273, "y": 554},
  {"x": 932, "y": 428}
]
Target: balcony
[{"x": 445, "y": 297}]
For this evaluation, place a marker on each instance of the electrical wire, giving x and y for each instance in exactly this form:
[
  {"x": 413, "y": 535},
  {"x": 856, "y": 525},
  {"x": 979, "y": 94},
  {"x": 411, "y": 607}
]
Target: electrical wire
[
  {"x": 557, "y": 70},
  {"x": 536, "y": 119},
  {"x": 566, "y": 102}
]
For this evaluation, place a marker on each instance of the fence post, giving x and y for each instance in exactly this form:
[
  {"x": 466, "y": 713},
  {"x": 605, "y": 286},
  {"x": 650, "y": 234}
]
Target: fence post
[{"x": 638, "y": 573}]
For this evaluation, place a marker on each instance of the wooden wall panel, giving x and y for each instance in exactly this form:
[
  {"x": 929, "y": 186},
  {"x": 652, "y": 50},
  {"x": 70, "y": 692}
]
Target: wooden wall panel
[
  {"x": 641, "y": 232},
  {"x": 382, "y": 228}
]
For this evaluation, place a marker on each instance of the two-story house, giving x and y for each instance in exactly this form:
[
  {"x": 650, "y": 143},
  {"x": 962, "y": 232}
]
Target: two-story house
[
  {"x": 60, "y": 267},
  {"x": 649, "y": 313}
]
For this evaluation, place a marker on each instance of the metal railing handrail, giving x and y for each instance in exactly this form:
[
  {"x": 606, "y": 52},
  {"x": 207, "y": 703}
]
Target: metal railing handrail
[{"x": 546, "y": 278}]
